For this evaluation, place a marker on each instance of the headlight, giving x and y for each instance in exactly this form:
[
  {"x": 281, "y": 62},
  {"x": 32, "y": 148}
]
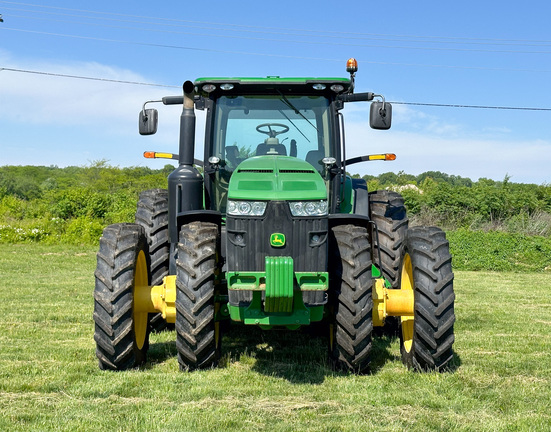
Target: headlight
[
  {"x": 308, "y": 208},
  {"x": 246, "y": 208}
]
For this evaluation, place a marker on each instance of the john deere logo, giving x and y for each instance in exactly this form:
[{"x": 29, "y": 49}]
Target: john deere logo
[{"x": 277, "y": 240}]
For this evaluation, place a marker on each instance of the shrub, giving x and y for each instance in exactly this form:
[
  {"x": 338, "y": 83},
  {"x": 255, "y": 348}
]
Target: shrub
[{"x": 82, "y": 231}]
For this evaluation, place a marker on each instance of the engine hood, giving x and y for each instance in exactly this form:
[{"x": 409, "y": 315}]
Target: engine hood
[{"x": 276, "y": 178}]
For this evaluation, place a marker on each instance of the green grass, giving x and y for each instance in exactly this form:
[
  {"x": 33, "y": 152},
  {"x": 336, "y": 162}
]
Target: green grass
[{"x": 49, "y": 379}]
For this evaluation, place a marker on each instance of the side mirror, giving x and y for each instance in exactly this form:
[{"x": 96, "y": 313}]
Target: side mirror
[
  {"x": 148, "y": 121},
  {"x": 380, "y": 118}
]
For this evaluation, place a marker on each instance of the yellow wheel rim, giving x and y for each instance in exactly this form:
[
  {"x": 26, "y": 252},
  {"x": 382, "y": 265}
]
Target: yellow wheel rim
[
  {"x": 141, "y": 292},
  {"x": 407, "y": 284}
]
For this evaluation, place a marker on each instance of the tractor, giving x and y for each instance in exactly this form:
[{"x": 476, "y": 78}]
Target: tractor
[{"x": 270, "y": 231}]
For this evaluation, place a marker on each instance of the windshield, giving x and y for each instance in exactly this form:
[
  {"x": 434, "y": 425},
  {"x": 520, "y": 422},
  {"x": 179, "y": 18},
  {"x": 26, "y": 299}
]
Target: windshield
[{"x": 247, "y": 126}]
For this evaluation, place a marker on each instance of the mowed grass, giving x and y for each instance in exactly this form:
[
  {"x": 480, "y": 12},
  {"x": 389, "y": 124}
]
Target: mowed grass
[{"x": 280, "y": 381}]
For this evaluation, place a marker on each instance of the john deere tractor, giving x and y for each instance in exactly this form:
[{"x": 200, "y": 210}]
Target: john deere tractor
[{"x": 269, "y": 231}]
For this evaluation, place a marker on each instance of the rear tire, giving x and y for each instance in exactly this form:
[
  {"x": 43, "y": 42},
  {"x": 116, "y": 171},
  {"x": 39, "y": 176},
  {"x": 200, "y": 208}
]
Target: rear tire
[
  {"x": 121, "y": 333},
  {"x": 152, "y": 215},
  {"x": 351, "y": 300},
  {"x": 388, "y": 211},
  {"x": 197, "y": 333},
  {"x": 426, "y": 341}
]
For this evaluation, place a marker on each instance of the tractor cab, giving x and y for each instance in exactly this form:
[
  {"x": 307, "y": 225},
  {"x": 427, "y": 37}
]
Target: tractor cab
[{"x": 253, "y": 122}]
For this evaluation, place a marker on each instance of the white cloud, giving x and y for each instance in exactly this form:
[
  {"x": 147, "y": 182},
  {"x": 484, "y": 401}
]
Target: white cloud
[
  {"x": 43, "y": 99},
  {"x": 66, "y": 121},
  {"x": 417, "y": 152}
]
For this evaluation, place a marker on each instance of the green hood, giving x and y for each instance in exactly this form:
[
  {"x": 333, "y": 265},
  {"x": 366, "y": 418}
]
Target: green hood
[{"x": 278, "y": 178}]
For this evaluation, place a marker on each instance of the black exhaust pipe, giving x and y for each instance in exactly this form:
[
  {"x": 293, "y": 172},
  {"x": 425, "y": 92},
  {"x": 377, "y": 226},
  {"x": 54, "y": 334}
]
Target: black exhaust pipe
[
  {"x": 187, "y": 126},
  {"x": 185, "y": 183}
]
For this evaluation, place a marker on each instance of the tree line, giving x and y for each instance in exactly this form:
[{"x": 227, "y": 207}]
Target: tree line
[{"x": 74, "y": 203}]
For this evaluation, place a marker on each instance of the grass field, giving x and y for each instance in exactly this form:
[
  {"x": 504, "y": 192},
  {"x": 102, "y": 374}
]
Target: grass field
[{"x": 268, "y": 381}]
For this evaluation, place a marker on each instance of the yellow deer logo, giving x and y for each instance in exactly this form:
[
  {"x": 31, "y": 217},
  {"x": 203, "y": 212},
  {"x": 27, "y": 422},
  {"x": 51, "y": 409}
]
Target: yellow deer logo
[{"x": 277, "y": 240}]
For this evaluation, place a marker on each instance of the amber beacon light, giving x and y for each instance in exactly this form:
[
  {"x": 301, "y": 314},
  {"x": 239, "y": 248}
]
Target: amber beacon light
[{"x": 352, "y": 65}]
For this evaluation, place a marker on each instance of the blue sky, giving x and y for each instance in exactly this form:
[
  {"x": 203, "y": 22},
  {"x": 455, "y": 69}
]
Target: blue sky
[{"x": 478, "y": 53}]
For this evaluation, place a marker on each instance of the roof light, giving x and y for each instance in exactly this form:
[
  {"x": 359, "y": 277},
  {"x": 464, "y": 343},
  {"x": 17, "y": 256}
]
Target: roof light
[
  {"x": 209, "y": 88},
  {"x": 226, "y": 86},
  {"x": 337, "y": 88},
  {"x": 319, "y": 86},
  {"x": 352, "y": 65}
]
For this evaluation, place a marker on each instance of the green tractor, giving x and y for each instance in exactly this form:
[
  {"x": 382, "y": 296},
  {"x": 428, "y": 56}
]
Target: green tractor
[{"x": 270, "y": 231}]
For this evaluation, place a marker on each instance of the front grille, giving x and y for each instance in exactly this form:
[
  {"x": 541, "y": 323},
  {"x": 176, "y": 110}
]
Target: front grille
[{"x": 248, "y": 240}]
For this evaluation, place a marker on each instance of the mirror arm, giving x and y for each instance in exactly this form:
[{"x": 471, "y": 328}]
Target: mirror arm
[
  {"x": 357, "y": 159},
  {"x": 166, "y": 100},
  {"x": 356, "y": 97},
  {"x": 145, "y": 103},
  {"x": 383, "y": 98}
]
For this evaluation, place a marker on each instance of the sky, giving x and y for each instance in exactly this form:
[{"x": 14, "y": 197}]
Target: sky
[{"x": 469, "y": 54}]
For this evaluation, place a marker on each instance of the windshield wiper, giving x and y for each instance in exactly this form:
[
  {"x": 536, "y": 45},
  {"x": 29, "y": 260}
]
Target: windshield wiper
[
  {"x": 290, "y": 105},
  {"x": 296, "y": 127}
]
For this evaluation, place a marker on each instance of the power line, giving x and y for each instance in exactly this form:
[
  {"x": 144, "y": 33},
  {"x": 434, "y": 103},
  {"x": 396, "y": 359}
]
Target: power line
[
  {"x": 277, "y": 29},
  {"x": 273, "y": 55},
  {"x": 85, "y": 77},
  {"x": 297, "y": 41},
  {"x": 155, "y": 45},
  {"x": 279, "y": 32},
  {"x": 471, "y": 106},
  {"x": 175, "y": 86}
]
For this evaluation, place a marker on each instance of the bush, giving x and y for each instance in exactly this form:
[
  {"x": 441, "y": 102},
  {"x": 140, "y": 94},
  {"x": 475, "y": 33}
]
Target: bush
[{"x": 81, "y": 231}]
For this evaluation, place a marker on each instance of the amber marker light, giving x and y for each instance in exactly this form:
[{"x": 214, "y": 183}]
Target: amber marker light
[
  {"x": 352, "y": 65},
  {"x": 159, "y": 155},
  {"x": 386, "y": 156}
]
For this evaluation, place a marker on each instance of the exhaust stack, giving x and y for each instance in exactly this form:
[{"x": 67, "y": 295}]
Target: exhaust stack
[{"x": 187, "y": 126}]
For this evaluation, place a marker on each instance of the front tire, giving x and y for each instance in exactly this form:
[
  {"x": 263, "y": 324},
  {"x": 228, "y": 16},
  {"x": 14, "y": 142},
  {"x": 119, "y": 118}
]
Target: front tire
[
  {"x": 426, "y": 340},
  {"x": 197, "y": 333},
  {"x": 351, "y": 298},
  {"x": 122, "y": 276}
]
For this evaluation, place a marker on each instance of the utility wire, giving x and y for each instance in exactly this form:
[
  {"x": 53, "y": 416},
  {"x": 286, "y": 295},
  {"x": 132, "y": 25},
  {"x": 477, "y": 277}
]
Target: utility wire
[
  {"x": 471, "y": 106},
  {"x": 263, "y": 28},
  {"x": 279, "y": 32},
  {"x": 264, "y": 54},
  {"x": 85, "y": 77},
  {"x": 175, "y": 86},
  {"x": 299, "y": 41},
  {"x": 155, "y": 45}
]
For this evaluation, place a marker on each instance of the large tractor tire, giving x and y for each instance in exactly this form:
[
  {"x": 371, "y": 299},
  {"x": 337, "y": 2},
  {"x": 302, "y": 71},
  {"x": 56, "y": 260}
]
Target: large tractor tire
[
  {"x": 388, "y": 211},
  {"x": 152, "y": 215},
  {"x": 197, "y": 333},
  {"x": 351, "y": 298},
  {"x": 426, "y": 340},
  {"x": 122, "y": 275}
]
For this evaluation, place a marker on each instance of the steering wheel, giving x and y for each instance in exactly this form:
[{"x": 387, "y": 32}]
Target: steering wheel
[{"x": 271, "y": 132}]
